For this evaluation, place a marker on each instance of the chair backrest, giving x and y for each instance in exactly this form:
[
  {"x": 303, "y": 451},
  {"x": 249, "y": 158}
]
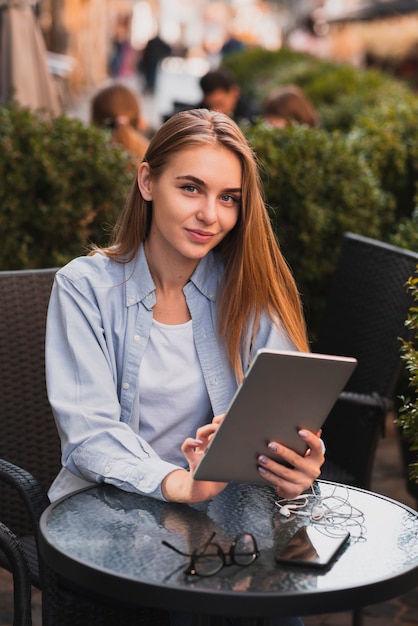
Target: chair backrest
[
  {"x": 28, "y": 435},
  {"x": 365, "y": 318}
]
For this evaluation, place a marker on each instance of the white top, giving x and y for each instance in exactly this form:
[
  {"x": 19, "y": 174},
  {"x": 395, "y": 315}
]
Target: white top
[{"x": 173, "y": 399}]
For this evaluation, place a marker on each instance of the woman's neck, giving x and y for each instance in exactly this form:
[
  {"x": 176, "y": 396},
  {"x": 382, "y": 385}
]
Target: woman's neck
[
  {"x": 168, "y": 274},
  {"x": 169, "y": 279}
]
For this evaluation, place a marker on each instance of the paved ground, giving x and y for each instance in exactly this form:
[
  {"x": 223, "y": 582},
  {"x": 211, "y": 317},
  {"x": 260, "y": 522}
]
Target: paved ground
[{"x": 388, "y": 480}]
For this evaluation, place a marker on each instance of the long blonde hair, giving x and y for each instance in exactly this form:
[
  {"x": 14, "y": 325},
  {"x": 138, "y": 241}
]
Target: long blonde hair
[{"x": 256, "y": 275}]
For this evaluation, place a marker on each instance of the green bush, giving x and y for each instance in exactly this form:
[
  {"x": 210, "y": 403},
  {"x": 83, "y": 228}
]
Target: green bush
[
  {"x": 62, "y": 187},
  {"x": 317, "y": 189},
  {"x": 386, "y": 138},
  {"x": 406, "y": 233},
  {"x": 339, "y": 91},
  {"x": 408, "y": 413}
]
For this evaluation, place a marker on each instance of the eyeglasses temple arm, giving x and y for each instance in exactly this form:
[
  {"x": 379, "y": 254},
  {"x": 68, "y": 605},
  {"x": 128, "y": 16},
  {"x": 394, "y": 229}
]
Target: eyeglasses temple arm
[{"x": 169, "y": 545}]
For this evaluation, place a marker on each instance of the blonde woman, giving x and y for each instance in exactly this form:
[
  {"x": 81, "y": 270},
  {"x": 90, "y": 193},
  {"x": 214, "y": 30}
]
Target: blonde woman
[{"x": 148, "y": 339}]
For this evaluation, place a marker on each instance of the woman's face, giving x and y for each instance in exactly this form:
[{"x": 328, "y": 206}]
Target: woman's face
[{"x": 196, "y": 201}]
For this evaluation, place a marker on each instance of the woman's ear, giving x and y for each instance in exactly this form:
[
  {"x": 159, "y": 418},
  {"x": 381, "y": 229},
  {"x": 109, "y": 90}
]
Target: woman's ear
[{"x": 144, "y": 181}]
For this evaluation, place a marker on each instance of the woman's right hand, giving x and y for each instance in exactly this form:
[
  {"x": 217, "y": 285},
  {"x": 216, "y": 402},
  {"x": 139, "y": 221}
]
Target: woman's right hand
[{"x": 180, "y": 486}]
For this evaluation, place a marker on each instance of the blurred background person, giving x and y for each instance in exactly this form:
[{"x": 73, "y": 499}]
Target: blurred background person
[
  {"x": 222, "y": 93},
  {"x": 122, "y": 55},
  {"x": 117, "y": 108},
  {"x": 155, "y": 50},
  {"x": 289, "y": 104}
]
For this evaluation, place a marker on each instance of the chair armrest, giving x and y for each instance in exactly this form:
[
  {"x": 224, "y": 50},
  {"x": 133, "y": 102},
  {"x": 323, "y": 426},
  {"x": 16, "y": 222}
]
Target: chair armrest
[
  {"x": 22, "y": 591},
  {"x": 366, "y": 399},
  {"x": 373, "y": 400},
  {"x": 29, "y": 488}
]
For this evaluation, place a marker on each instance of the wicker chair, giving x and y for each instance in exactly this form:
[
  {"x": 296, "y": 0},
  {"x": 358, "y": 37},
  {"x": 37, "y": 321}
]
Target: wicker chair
[
  {"x": 13, "y": 550},
  {"x": 30, "y": 453},
  {"x": 364, "y": 318}
]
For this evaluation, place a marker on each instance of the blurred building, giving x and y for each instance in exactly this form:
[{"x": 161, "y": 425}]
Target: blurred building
[{"x": 366, "y": 33}]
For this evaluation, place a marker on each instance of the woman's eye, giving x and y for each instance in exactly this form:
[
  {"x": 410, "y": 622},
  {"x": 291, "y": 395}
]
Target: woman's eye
[
  {"x": 189, "y": 188},
  {"x": 230, "y": 199}
]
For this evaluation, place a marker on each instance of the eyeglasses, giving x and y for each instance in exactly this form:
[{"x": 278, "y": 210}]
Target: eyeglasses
[{"x": 210, "y": 559}]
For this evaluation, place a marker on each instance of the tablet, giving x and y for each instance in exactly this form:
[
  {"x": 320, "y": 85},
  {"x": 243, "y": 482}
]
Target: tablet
[{"x": 282, "y": 392}]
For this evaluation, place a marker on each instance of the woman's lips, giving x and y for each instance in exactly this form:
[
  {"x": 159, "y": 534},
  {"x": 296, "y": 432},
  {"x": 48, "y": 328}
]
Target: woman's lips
[{"x": 200, "y": 236}]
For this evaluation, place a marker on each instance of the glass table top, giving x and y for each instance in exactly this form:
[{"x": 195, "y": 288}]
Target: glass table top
[{"x": 119, "y": 534}]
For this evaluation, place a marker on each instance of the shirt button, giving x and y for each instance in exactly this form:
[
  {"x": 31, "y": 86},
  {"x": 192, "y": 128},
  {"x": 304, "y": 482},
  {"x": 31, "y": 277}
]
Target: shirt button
[
  {"x": 125, "y": 385},
  {"x": 149, "y": 296},
  {"x": 107, "y": 469},
  {"x": 137, "y": 338},
  {"x": 131, "y": 300},
  {"x": 142, "y": 483}
]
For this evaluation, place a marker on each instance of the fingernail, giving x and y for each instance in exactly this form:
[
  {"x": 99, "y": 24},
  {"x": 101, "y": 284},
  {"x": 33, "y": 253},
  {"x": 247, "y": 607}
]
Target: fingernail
[
  {"x": 273, "y": 447},
  {"x": 262, "y": 470},
  {"x": 197, "y": 442},
  {"x": 262, "y": 459},
  {"x": 303, "y": 434}
]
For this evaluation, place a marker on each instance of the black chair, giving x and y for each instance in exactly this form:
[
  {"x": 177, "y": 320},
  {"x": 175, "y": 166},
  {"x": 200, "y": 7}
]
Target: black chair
[
  {"x": 30, "y": 453},
  {"x": 22, "y": 592},
  {"x": 365, "y": 317}
]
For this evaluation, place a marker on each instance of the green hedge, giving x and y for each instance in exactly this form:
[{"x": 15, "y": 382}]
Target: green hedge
[
  {"x": 387, "y": 140},
  {"x": 408, "y": 414},
  {"x": 62, "y": 187},
  {"x": 340, "y": 92},
  {"x": 317, "y": 188}
]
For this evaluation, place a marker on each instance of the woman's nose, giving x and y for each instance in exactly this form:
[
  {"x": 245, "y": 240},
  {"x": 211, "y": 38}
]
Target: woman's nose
[{"x": 208, "y": 211}]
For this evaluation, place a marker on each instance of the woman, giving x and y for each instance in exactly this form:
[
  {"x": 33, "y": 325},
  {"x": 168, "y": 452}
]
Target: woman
[
  {"x": 148, "y": 339},
  {"x": 289, "y": 105},
  {"x": 117, "y": 109}
]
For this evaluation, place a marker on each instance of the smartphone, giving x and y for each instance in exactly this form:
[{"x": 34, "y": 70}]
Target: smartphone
[{"x": 312, "y": 546}]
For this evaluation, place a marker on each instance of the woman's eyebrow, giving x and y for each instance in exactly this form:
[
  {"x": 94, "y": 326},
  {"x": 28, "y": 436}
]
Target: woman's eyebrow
[
  {"x": 202, "y": 183},
  {"x": 193, "y": 179}
]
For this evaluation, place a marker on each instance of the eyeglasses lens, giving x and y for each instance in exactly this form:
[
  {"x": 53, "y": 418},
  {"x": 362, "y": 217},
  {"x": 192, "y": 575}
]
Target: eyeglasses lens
[
  {"x": 244, "y": 550},
  {"x": 210, "y": 561}
]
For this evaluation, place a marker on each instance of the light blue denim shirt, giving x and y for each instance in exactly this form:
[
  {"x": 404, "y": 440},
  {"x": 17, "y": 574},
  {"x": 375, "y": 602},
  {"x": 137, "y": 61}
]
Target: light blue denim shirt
[{"x": 99, "y": 320}]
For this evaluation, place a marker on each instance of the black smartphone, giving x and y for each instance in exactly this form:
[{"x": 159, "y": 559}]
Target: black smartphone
[{"x": 312, "y": 546}]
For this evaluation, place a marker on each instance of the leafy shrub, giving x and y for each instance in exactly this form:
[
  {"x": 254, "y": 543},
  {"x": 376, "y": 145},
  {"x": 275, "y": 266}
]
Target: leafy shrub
[
  {"x": 317, "y": 189},
  {"x": 406, "y": 233},
  {"x": 63, "y": 185},
  {"x": 339, "y": 91},
  {"x": 386, "y": 138},
  {"x": 408, "y": 413}
]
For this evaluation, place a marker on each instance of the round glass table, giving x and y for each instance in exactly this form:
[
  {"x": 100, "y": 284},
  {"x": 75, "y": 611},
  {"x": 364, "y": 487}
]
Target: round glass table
[{"x": 109, "y": 542}]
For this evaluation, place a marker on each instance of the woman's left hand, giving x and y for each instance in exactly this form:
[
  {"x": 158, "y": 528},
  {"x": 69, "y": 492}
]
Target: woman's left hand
[{"x": 294, "y": 473}]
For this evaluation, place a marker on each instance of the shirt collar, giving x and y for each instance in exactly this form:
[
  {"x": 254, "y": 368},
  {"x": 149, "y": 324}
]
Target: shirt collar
[
  {"x": 138, "y": 279},
  {"x": 207, "y": 275},
  {"x": 140, "y": 285}
]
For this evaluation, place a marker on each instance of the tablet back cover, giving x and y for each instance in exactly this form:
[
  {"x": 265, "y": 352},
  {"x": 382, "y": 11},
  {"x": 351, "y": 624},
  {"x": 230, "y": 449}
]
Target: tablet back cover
[{"x": 282, "y": 392}]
